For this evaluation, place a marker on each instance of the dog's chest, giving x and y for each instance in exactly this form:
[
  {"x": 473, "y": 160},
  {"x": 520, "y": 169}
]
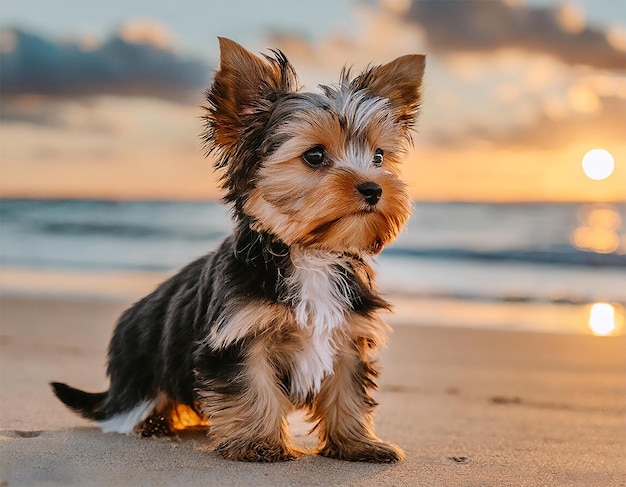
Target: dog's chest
[{"x": 321, "y": 294}]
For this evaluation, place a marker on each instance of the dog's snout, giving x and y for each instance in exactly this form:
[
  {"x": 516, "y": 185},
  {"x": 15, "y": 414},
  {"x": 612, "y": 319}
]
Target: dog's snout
[{"x": 371, "y": 191}]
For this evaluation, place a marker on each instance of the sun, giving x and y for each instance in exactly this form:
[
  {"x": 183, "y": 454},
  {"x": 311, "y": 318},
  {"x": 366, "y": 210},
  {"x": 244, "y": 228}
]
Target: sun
[{"x": 598, "y": 164}]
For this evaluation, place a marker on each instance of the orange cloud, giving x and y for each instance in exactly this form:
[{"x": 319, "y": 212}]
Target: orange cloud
[{"x": 147, "y": 31}]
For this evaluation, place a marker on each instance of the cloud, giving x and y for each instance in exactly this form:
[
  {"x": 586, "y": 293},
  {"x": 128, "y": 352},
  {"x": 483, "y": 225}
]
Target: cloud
[
  {"x": 554, "y": 126},
  {"x": 481, "y": 26},
  {"x": 374, "y": 36},
  {"x": 501, "y": 97},
  {"x": 606, "y": 124},
  {"x": 136, "y": 61}
]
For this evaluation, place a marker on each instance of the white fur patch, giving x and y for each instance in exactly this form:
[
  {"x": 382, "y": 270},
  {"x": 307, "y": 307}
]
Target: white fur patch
[
  {"x": 125, "y": 422},
  {"x": 321, "y": 296}
]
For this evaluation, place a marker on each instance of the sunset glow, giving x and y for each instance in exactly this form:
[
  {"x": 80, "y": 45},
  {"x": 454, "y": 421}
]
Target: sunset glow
[
  {"x": 184, "y": 417},
  {"x": 507, "y": 114}
]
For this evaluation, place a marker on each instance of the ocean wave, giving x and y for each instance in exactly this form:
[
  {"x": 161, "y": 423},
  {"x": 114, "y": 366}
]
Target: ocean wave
[
  {"x": 134, "y": 231},
  {"x": 557, "y": 256},
  {"x": 144, "y": 235}
]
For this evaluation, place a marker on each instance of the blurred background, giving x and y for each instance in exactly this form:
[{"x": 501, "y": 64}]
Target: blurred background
[{"x": 518, "y": 171}]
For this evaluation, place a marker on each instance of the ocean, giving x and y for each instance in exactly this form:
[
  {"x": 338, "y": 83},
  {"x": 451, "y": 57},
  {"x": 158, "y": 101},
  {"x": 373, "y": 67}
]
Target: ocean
[{"x": 536, "y": 267}]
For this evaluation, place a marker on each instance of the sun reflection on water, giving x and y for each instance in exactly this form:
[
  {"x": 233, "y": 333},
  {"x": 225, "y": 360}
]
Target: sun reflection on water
[
  {"x": 598, "y": 230},
  {"x": 605, "y": 319}
]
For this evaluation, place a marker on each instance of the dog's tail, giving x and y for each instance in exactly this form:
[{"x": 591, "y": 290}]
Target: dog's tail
[{"x": 87, "y": 404}]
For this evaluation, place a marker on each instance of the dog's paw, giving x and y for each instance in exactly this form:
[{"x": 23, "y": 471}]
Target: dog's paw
[
  {"x": 375, "y": 451},
  {"x": 256, "y": 452},
  {"x": 154, "y": 426}
]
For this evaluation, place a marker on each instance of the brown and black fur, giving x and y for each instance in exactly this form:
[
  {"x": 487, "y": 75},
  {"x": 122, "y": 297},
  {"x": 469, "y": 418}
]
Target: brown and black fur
[{"x": 231, "y": 338}]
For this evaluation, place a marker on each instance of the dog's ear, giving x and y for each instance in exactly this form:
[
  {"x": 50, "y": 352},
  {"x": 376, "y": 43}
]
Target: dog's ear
[
  {"x": 400, "y": 81},
  {"x": 242, "y": 86}
]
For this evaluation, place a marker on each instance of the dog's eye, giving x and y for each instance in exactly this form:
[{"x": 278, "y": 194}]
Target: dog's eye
[
  {"x": 315, "y": 157},
  {"x": 378, "y": 157}
]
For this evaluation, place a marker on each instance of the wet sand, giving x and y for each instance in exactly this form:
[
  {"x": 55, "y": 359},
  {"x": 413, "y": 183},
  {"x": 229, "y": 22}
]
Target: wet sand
[{"x": 470, "y": 407}]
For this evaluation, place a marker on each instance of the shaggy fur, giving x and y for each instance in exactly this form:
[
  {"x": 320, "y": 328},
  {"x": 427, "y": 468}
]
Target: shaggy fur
[{"x": 283, "y": 314}]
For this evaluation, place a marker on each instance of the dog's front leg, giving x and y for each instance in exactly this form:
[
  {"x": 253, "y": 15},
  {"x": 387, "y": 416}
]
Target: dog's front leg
[
  {"x": 344, "y": 409},
  {"x": 247, "y": 408}
]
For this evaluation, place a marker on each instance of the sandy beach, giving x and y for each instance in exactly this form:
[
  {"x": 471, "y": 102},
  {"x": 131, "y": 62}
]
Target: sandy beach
[{"x": 470, "y": 407}]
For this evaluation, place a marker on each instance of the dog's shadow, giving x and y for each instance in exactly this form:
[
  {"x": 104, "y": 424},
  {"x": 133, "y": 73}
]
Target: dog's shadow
[{"x": 85, "y": 455}]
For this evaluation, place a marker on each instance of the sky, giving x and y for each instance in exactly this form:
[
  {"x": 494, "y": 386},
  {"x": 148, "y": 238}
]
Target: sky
[{"x": 102, "y": 99}]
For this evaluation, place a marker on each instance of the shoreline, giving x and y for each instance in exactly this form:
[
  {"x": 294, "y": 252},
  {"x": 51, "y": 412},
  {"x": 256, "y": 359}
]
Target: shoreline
[
  {"x": 470, "y": 407},
  {"x": 419, "y": 309}
]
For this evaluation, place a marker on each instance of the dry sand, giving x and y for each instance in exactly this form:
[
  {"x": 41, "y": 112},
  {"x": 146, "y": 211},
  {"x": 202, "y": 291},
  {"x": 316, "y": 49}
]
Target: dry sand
[{"x": 470, "y": 407}]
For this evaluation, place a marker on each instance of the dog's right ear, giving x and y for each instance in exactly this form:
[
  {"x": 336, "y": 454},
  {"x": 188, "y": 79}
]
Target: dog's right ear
[
  {"x": 242, "y": 86},
  {"x": 400, "y": 81}
]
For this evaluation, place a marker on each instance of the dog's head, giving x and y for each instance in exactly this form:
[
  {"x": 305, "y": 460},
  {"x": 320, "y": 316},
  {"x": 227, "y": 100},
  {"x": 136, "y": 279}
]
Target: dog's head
[{"x": 318, "y": 170}]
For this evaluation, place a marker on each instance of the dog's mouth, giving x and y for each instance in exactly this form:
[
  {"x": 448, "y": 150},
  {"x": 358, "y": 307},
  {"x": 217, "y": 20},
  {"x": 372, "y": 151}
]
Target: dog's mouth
[
  {"x": 369, "y": 237},
  {"x": 366, "y": 211},
  {"x": 324, "y": 227}
]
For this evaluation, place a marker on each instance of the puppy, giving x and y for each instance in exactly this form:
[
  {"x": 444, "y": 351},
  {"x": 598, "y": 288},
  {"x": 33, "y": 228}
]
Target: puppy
[{"x": 283, "y": 314}]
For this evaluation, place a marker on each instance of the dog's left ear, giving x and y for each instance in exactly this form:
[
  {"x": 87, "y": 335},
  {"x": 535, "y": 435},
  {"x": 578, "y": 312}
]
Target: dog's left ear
[{"x": 400, "y": 81}]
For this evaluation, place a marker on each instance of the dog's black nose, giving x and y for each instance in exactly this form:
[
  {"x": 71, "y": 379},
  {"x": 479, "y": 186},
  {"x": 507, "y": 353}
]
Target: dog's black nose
[{"x": 371, "y": 192}]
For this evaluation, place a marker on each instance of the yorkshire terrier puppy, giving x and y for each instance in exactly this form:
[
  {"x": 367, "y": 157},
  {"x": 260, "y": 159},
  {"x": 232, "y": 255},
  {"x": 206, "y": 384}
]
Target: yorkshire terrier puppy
[{"x": 283, "y": 314}]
